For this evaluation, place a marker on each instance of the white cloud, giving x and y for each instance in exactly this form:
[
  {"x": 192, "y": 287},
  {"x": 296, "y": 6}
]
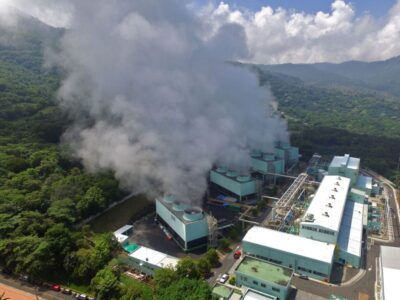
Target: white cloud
[{"x": 281, "y": 36}]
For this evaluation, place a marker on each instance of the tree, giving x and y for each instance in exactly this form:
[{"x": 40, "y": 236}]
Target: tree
[
  {"x": 186, "y": 289},
  {"x": 92, "y": 201},
  {"x": 164, "y": 277},
  {"x": 224, "y": 243},
  {"x": 187, "y": 268},
  {"x": 204, "y": 267},
  {"x": 232, "y": 280},
  {"x": 105, "y": 284},
  {"x": 212, "y": 257}
]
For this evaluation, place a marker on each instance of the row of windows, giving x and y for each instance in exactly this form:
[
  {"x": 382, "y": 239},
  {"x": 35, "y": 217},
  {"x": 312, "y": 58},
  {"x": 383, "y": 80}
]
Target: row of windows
[
  {"x": 326, "y": 231},
  {"x": 277, "y": 262},
  {"x": 319, "y": 230},
  {"x": 312, "y": 272},
  {"x": 261, "y": 284},
  {"x": 309, "y": 228}
]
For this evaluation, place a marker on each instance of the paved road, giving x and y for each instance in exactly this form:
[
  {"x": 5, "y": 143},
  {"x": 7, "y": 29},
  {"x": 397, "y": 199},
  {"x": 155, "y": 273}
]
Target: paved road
[
  {"x": 226, "y": 264},
  {"x": 41, "y": 292}
]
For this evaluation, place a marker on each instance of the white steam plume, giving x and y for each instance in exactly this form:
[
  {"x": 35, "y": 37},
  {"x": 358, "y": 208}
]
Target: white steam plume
[{"x": 154, "y": 98}]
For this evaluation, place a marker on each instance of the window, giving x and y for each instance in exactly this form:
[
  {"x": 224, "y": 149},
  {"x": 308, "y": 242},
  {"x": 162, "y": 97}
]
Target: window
[
  {"x": 276, "y": 289},
  {"x": 255, "y": 282},
  {"x": 309, "y": 228},
  {"x": 263, "y": 285},
  {"x": 320, "y": 274},
  {"x": 304, "y": 269},
  {"x": 326, "y": 231}
]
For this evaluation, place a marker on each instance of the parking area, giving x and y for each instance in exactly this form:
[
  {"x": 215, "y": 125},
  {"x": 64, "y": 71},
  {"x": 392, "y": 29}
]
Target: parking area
[{"x": 147, "y": 233}]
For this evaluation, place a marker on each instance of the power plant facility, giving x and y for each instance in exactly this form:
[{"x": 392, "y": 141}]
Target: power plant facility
[
  {"x": 189, "y": 226},
  {"x": 265, "y": 168},
  {"x": 230, "y": 183},
  {"x": 324, "y": 215},
  {"x": 316, "y": 222}
]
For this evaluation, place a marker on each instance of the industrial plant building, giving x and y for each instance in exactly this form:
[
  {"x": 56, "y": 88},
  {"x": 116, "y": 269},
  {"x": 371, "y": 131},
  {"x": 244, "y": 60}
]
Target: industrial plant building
[
  {"x": 350, "y": 239},
  {"x": 265, "y": 166},
  {"x": 305, "y": 256},
  {"x": 229, "y": 182},
  {"x": 389, "y": 273},
  {"x": 148, "y": 261},
  {"x": 265, "y": 277},
  {"x": 122, "y": 234},
  {"x": 345, "y": 166},
  {"x": 189, "y": 226},
  {"x": 287, "y": 152},
  {"x": 265, "y": 163},
  {"x": 324, "y": 215}
]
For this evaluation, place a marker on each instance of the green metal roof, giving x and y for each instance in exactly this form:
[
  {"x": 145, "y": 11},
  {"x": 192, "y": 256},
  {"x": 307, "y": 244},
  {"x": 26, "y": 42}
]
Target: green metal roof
[
  {"x": 265, "y": 271},
  {"x": 130, "y": 248},
  {"x": 222, "y": 291}
]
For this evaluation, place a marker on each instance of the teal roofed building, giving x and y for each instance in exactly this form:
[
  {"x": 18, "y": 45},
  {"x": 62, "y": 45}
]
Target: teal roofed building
[
  {"x": 263, "y": 276},
  {"x": 241, "y": 186}
]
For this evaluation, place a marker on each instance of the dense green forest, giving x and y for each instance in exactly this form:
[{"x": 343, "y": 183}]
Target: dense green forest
[{"x": 43, "y": 192}]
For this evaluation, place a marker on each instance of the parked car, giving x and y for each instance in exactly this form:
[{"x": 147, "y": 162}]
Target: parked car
[
  {"x": 55, "y": 287},
  {"x": 24, "y": 278},
  {"x": 303, "y": 276},
  {"x": 66, "y": 291},
  {"x": 237, "y": 254},
  {"x": 224, "y": 278},
  {"x": 82, "y": 297}
]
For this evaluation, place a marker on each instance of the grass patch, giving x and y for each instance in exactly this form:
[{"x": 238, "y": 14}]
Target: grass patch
[{"x": 147, "y": 291}]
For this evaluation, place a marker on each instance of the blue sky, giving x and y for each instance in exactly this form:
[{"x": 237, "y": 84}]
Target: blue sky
[{"x": 377, "y": 8}]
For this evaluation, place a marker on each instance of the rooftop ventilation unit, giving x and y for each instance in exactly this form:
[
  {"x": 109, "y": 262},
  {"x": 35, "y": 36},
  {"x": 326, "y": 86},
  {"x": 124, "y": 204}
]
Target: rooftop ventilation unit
[
  {"x": 193, "y": 214},
  {"x": 334, "y": 190},
  {"x": 178, "y": 206},
  {"x": 169, "y": 198},
  {"x": 332, "y": 197},
  {"x": 326, "y": 214},
  {"x": 339, "y": 178},
  {"x": 222, "y": 170},
  {"x": 309, "y": 218},
  {"x": 337, "y": 183},
  {"x": 231, "y": 173},
  {"x": 329, "y": 205},
  {"x": 243, "y": 178}
]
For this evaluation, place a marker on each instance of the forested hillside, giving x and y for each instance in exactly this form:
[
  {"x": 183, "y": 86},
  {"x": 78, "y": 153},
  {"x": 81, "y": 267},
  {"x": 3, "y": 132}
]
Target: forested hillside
[
  {"x": 375, "y": 77},
  {"x": 43, "y": 193},
  {"x": 336, "y": 121}
]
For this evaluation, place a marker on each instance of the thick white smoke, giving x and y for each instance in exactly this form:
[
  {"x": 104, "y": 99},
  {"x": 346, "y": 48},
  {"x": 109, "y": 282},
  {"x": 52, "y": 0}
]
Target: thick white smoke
[{"x": 155, "y": 99}]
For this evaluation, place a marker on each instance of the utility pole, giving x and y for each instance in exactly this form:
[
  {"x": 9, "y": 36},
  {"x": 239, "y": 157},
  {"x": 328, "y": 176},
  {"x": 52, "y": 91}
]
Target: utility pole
[{"x": 398, "y": 174}]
